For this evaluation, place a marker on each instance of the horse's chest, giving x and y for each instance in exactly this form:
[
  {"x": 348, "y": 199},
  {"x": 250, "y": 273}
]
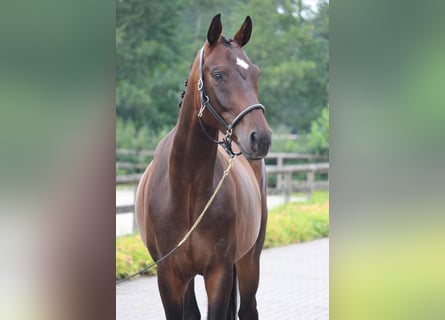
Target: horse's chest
[
  {"x": 232, "y": 223},
  {"x": 230, "y": 226},
  {"x": 248, "y": 217}
]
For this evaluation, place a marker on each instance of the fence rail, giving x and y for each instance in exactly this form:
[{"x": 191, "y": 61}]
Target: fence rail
[
  {"x": 285, "y": 184},
  {"x": 131, "y": 179},
  {"x": 278, "y": 157},
  {"x": 133, "y": 152},
  {"x": 271, "y": 155},
  {"x": 287, "y": 171}
]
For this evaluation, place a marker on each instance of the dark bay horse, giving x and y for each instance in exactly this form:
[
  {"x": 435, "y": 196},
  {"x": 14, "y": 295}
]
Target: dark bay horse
[{"x": 221, "y": 96}]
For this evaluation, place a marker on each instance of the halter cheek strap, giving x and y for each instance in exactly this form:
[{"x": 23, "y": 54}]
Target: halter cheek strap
[{"x": 226, "y": 142}]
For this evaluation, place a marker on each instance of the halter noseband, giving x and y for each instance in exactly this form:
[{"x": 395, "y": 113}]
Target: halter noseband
[{"x": 225, "y": 142}]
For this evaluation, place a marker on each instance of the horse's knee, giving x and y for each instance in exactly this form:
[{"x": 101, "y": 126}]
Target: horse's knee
[
  {"x": 248, "y": 279},
  {"x": 248, "y": 310},
  {"x": 219, "y": 285},
  {"x": 192, "y": 313},
  {"x": 191, "y": 310},
  {"x": 248, "y": 305},
  {"x": 172, "y": 292}
]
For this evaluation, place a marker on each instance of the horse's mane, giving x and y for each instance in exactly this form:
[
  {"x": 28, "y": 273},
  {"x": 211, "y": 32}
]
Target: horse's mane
[
  {"x": 185, "y": 87},
  {"x": 227, "y": 42}
]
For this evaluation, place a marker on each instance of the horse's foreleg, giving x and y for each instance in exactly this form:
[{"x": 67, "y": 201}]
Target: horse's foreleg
[
  {"x": 191, "y": 310},
  {"x": 172, "y": 292},
  {"x": 248, "y": 270},
  {"x": 218, "y": 285}
]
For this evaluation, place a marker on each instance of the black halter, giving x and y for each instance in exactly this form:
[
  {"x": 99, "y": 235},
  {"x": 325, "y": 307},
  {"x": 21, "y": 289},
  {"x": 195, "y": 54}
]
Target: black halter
[{"x": 225, "y": 142}]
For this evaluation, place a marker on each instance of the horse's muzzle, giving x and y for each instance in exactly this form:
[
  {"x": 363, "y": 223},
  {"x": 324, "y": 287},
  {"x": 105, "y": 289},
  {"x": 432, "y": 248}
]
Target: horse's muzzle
[{"x": 259, "y": 143}]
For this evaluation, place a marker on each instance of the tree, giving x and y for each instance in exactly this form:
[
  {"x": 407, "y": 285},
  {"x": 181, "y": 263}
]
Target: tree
[
  {"x": 319, "y": 135},
  {"x": 294, "y": 62},
  {"x": 147, "y": 45},
  {"x": 156, "y": 42}
]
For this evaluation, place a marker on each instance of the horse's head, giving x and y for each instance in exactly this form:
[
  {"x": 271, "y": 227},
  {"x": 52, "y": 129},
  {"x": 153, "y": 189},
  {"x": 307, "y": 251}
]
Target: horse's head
[{"x": 229, "y": 86}]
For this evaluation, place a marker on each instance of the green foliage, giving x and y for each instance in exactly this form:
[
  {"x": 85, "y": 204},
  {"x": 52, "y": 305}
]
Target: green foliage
[
  {"x": 147, "y": 42},
  {"x": 319, "y": 136},
  {"x": 131, "y": 256},
  {"x": 283, "y": 142},
  {"x": 157, "y": 41},
  {"x": 292, "y": 53},
  {"x": 289, "y": 223},
  {"x": 298, "y": 222},
  {"x": 128, "y": 137}
]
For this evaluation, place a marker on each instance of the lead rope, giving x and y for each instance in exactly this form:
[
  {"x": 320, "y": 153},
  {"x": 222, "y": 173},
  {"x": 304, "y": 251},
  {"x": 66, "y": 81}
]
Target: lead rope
[{"x": 195, "y": 225}]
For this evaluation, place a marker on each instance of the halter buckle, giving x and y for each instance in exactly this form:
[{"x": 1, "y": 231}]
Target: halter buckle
[
  {"x": 229, "y": 134},
  {"x": 201, "y": 110}
]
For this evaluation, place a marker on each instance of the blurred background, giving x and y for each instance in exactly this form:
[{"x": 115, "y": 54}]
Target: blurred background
[
  {"x": 156, "y": 42},
  {"x": 60, "y": 77}
]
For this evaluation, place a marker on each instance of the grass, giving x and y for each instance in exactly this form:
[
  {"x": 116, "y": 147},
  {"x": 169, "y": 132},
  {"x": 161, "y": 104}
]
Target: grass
[
  {"x": 298, "y": 221},
  {"x": 131, "y": 256},
  {"x": 289, "y": 223}
]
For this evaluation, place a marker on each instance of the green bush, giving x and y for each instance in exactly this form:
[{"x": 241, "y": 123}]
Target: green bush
[
  {"x": 282, "y": 144},
  {"x": 289, "y": 223},
  {"x": 129, "y": 137},
  {"x": 132, "y": 256},
  {"x": 319, "y": 135},
  {"x": 297, "y": 222}
]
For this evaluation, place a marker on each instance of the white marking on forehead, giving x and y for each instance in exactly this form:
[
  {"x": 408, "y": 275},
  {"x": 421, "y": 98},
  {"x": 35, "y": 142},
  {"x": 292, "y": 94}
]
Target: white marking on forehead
[{"x": 243, "y": 64}]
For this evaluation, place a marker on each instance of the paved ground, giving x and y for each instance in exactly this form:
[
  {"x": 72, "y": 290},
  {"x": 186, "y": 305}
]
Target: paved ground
[{"x": 294, "y": 285}]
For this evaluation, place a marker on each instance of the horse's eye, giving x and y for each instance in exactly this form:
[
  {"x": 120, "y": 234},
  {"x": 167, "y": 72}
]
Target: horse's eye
[{"x": 217, "y": 76}]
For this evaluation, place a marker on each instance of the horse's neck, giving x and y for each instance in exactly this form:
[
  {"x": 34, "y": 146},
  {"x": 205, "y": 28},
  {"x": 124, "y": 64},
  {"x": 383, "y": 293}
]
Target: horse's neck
[{"x": 193, "y": 155}]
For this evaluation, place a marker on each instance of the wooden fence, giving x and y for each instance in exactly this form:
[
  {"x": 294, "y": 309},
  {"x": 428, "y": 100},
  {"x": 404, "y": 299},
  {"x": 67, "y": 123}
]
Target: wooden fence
[
  {"x": 288, "y": 185},
  {"x": 278, "y": 157},
  {"x": 285, "y": 174}
]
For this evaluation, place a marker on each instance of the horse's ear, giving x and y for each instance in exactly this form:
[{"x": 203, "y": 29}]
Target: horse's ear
[
  {"x": 215, "y": 30},
  {"x": 242, "y": 36}
]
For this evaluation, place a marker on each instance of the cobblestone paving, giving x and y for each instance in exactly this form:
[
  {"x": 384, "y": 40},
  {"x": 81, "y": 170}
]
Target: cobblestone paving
[{"x": 294, "y": 285}]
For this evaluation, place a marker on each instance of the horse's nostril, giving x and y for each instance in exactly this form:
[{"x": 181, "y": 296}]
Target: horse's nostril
[
  {"x": 253, "y": 141},
  {"x": 259, "y": 143}
]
